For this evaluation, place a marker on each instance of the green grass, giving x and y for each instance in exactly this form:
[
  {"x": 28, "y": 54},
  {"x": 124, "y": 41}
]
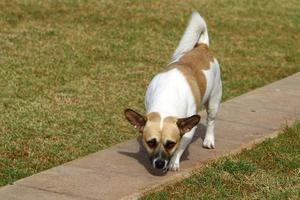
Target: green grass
[
  {"x": 269, "y": 171},
  {"x": 70, "y": 67}
]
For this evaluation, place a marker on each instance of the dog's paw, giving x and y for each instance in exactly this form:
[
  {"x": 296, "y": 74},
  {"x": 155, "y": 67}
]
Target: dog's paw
[
  {"x": 174, "y": 165},
  {"x": 209, "y": 142}
]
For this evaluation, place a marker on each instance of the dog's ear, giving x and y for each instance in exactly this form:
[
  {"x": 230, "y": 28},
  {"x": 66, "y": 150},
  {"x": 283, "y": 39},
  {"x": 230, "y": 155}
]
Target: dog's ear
[
  {"x": 186, "y": 124},
  {"x": 136, "y": 119}
]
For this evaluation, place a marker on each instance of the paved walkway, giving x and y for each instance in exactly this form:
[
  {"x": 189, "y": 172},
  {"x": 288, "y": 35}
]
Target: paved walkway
[{"x": 123, "y": 171}]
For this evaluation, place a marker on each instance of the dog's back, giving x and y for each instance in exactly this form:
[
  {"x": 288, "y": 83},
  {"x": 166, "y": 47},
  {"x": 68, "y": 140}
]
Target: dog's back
[
  {"x": 191, "y": 65},
  {"x": 192, "y": 73}
]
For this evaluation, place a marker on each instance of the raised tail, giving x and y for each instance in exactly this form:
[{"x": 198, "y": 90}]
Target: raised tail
[{"x": 195, "y": 33}]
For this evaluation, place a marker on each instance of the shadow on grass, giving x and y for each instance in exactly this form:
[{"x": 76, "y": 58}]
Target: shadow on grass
[{"x": 142, "y": 157}]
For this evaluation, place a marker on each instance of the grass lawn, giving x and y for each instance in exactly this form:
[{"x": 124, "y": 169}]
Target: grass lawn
[
  {"x": 70, "y": 67},
  {"x": 269, "y": 171}
]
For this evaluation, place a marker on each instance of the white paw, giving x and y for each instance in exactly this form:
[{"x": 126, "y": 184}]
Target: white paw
[
  {"x": 209, "y": 142},
  {"x": 174, "y": 165}
]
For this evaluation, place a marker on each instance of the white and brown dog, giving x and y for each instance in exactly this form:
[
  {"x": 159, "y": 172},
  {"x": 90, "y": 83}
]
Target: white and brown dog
[{"x": 175, "y": 96}]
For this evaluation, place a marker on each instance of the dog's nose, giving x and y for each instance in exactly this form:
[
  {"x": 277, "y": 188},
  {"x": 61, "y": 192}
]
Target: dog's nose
[{"x": 159, "y": 164}]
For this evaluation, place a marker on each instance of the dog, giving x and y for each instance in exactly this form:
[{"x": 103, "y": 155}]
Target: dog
[{"x": 175, "y": 96}]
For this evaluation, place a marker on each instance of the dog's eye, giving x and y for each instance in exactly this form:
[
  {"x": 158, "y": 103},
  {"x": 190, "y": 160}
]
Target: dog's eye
[
  {"x": 152, "y": 143},
  {"x": 170, "y": 144}
]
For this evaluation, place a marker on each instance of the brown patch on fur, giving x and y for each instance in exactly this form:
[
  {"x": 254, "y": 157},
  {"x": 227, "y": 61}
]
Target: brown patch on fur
[
  {"x": 152, "y": 130},
  {"x": 153, "y": 116},
  {"x": 170, "y": 132},
  {"x": 170, "y": 120},
  {"x": 191, "y": 65}
]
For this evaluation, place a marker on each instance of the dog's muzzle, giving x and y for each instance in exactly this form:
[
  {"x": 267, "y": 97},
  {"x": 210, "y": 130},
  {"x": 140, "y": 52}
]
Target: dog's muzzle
[{"x": 160, "y": 163}]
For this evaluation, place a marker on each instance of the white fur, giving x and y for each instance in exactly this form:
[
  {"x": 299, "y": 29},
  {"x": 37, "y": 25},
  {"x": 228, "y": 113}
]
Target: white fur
[{"x": 169, "y": 93}]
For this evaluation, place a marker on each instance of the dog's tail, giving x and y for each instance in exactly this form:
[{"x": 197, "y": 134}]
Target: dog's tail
[{"x": 195, "y": 33}]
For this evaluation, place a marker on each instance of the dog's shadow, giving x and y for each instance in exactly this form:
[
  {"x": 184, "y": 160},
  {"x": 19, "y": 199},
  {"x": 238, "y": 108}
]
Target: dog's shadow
[{"x": 142, "y": 157}]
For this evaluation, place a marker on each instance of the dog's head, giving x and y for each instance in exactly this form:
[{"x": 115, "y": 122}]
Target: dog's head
[{"x": 161, "y": 137}]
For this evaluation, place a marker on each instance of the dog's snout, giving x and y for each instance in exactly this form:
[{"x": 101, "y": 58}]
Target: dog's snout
[{"x": 159, "y": 164}]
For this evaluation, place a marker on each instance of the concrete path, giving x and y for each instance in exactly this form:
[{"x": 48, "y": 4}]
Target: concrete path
[{"x": 123, "y": 171}]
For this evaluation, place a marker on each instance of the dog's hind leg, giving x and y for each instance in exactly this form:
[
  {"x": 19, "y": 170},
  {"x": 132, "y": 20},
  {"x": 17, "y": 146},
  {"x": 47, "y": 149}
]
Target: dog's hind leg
[{"x": 212, "y": 108}]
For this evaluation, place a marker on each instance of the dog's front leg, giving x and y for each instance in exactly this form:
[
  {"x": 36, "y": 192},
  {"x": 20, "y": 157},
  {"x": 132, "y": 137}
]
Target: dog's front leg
[{"x": 184, "y": 142}]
